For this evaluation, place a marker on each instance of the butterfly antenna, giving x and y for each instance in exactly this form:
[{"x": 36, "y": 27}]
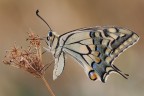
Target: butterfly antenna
[{"x": 37, "y": 13}]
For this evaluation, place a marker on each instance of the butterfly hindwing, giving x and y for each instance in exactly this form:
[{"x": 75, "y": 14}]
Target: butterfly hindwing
[{"x": 96, "y": 48}]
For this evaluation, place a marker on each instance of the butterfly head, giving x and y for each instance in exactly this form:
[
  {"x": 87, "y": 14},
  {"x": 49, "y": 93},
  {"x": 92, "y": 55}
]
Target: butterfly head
[{"x": 51, "y": 38}]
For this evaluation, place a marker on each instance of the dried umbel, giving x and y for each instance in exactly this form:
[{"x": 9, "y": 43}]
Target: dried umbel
[{"x": 29, "y": 59}]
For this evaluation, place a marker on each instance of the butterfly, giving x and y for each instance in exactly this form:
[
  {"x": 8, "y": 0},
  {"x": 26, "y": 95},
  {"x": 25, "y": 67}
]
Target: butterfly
[{"x": 94, "y": 48}]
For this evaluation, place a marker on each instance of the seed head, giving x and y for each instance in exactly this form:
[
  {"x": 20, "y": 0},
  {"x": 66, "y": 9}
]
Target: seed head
[{"x": 29, "y": 59}]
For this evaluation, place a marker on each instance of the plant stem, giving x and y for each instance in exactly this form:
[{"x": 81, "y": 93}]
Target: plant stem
[{"x": 48, "y": 86}]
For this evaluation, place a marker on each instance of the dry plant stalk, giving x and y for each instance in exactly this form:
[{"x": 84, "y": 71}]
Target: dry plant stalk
[{"x": 29, "y": 60}]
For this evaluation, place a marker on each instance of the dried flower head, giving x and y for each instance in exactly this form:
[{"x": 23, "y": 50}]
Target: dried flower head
[{"x": 30, "y": 59}]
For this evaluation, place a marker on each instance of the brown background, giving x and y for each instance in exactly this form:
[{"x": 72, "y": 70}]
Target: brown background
[{"x": 17, "y": 16}]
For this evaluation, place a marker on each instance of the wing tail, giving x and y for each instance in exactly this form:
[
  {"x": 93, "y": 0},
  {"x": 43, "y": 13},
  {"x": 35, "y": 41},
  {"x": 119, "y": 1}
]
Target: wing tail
[
  {"x": 120, "y": 72},
  {"x": 111, "y": 69}
]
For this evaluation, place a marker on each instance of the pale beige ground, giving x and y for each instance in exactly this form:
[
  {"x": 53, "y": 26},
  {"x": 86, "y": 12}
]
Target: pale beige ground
[{"x": 17, "y": 16}]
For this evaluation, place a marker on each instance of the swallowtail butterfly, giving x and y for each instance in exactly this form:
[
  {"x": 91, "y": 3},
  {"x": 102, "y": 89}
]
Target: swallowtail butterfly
[{"x": 94, "y": 48}]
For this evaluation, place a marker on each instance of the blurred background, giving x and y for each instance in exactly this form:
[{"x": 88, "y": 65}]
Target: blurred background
[{"x": 18, "y": 16}]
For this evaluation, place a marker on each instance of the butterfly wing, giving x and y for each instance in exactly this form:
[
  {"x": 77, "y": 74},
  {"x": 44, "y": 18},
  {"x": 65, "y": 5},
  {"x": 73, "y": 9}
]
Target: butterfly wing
[
  {"x": 59, "y": 65},
  {"x": 96, "y": 48}
]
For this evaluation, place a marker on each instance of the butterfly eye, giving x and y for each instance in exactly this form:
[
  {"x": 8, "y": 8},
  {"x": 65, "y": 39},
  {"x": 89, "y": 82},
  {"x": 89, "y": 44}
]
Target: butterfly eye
[{"x": 50, "y": 34}]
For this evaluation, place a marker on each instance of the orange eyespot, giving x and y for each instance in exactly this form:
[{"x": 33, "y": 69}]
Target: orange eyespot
[{"x": 92, "y": 75}]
